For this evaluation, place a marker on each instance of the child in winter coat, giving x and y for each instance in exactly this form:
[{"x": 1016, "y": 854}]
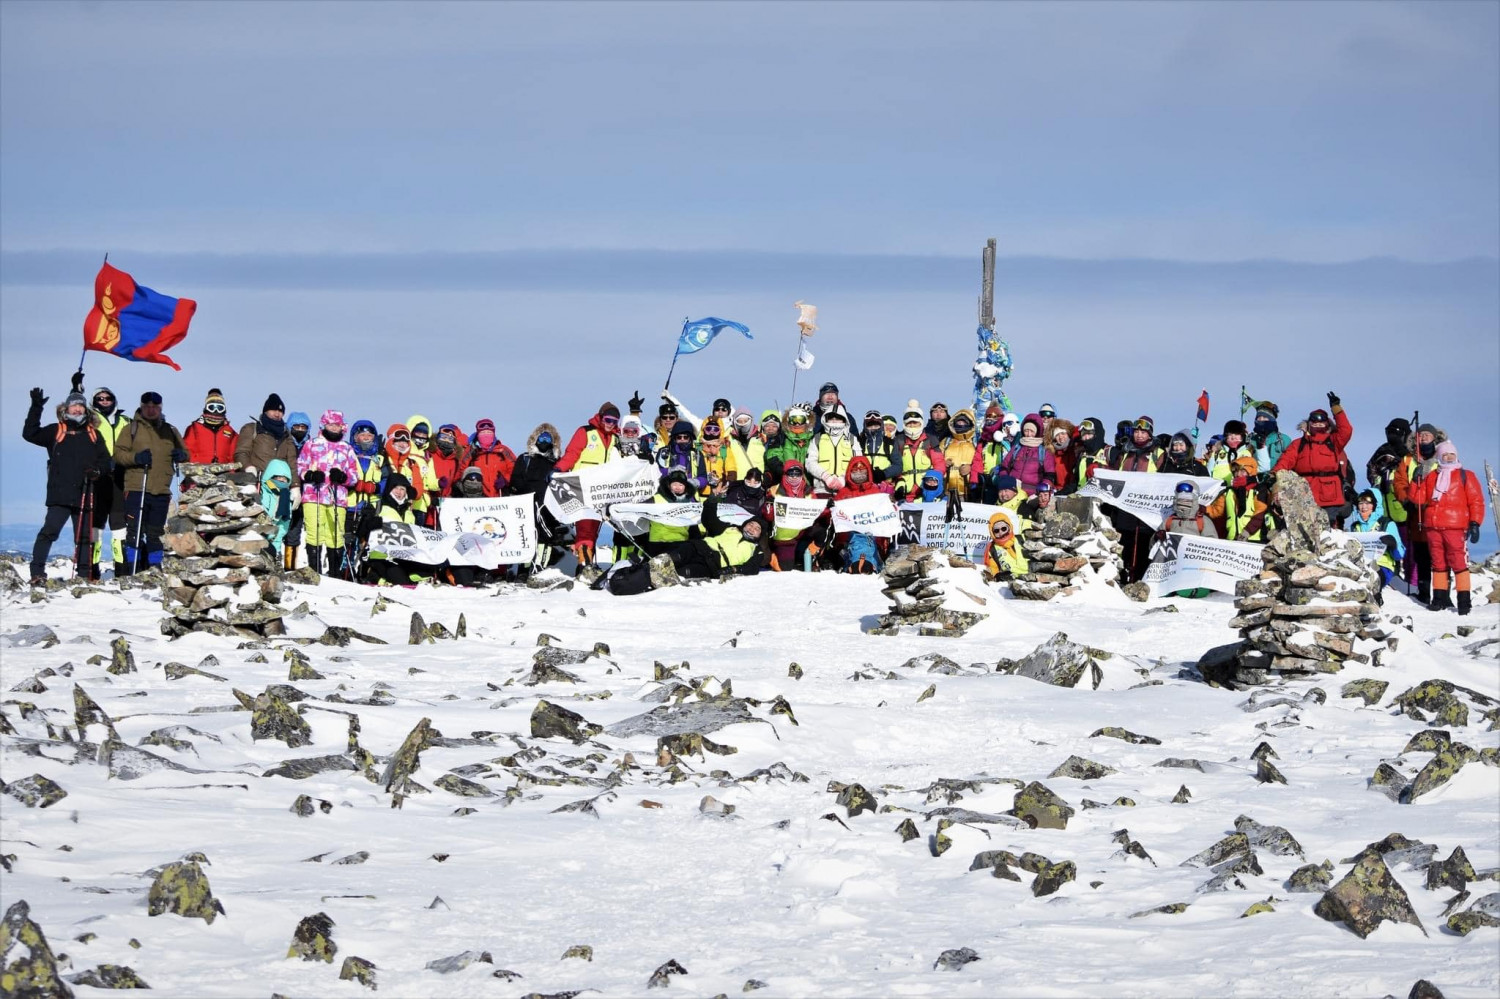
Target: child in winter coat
[
  {"x": 327, "y": 467},
  {"x": 1370, "y": 518},
  {"x": 279, "y": 498},
  {"x": 1450, "y": 502},
  {"x": 862, "y": 553}
]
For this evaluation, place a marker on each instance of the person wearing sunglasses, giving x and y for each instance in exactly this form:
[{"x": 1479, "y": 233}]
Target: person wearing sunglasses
[
  {"x": 1003, "y": 557},
  {"x": 796, "y": 438},
  {"x": 718, "y": 457},
  {"x": 679, "y": 453},
  {"x": 210, "y": 439},
  {"x": 109, "y": 490},
  {"x": 916, "y": 454},
  {"x": 591, "y": 444}
]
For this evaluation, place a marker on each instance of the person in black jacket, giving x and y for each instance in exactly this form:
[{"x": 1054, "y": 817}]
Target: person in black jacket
[{"x": 76, "y": 457}]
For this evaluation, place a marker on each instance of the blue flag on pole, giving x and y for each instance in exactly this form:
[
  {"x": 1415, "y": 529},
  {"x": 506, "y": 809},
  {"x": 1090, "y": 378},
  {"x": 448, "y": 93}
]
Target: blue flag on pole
[{"x": 699, "y": 333}]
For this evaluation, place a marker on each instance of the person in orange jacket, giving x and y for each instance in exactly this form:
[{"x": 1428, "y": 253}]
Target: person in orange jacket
[
  {"x": 210, "y": 439},
  {"x": 1451, "y": 502},
  {"x": 496, "y": 461},
  {"x": 1318, "y": 456},
  {"x": 591, "y": 444}
]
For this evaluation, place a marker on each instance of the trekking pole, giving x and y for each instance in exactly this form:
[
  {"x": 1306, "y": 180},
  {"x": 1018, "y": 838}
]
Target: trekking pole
[
  {"x": 85, "y": 517},
  {"x": 140, "y": 523}
]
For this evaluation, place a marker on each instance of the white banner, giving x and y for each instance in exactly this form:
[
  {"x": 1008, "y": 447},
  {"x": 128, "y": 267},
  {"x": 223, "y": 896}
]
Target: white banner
[
  {"x": 794, "y": 513},
  {"x": 872, "y": 514},
  {"x": 923, "y": 524},
  {"x": 1369, "y": 541},
  {"x": 635, "y": 518},
  {"x": 508, "y": 520},
  {"x": 580, "y": 495},
  {"x": 1186, "y": 562},
  {"x": 804, "y": 356},
  {"x": 1146, "y": 495},
  {"x": 429, "y": 547}
]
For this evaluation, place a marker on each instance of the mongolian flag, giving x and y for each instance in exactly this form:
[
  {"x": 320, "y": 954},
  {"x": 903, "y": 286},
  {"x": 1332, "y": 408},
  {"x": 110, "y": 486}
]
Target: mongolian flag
[
  {"x": 1202, "y": 406},
  {"x": 132, "y": 321}
]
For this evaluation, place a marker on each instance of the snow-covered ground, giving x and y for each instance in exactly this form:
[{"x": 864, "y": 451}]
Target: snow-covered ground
[{"x": 788, "y": 889}]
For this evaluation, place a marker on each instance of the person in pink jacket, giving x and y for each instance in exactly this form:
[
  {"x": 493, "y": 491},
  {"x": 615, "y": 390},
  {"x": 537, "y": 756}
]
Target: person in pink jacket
[{"x": 326, "y": 466}]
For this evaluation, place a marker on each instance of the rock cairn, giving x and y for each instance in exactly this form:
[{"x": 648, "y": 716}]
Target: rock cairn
[
  {"x": 1071, "y": 545},
  {"x": 1307, "y": 610},
  {"x": 932, "y": 592},
  {"x": 220, "y": 574}
]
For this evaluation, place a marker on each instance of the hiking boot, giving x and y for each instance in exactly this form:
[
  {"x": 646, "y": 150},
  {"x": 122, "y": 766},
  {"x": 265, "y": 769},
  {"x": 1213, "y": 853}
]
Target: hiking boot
[
  {"x": 662, "y": 572},
  {"x": 1464, "y": 602},
  {"x": 39, "y": 582},
  {"x": 1440, "y": 601}
]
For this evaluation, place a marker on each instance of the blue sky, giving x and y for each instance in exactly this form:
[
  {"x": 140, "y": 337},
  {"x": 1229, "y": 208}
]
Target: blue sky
[{"x": 295, "y": 167}]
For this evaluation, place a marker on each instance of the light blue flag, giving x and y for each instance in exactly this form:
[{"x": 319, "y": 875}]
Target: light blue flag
[{"x": 699, "y": 333}]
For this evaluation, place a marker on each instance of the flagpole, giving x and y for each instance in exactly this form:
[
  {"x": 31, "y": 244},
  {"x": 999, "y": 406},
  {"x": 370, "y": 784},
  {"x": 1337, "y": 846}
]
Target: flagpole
[
  {"x": 795, "y": 369},
  {"x": 676, "y": 352}
]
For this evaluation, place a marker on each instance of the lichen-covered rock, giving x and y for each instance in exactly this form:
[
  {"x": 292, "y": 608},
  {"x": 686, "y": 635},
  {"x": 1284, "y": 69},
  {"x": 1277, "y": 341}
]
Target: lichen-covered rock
[
  {"x": 1429, "y": 740},
  {"x": 552, "y": 721},
  {"x": 1303, "y": 519},
  {"x": 953, "y": 960},
  {"x": 580, "y": 951},
  {"x": 1183, "y": 795},
  {"x": 1367, "y": 896},
  {"x": 1311, "y": 878},
  {"x": 1438, "y": 699},
  {"x": 1081, "y": 769},
  {"x": 1113, "y": 732},
  {"x": 357, "y": 969},
  {"x": 1368, "y": 690},
  {"x": 1233, "y": 846},
  {"x": 454, "y": 784},
  {"x": 1441, "y": 769},
  {"x": 676, "y": 719},
  {"x": 1040, "y": 808},
  {"x": 182, "y": 888},
  {"x": 1170, "y": 909},
  {"x": 28, "y": 968},
  {"x": 313, "y": 939},
  {"x": 1051, "y": 877},
  {"x": 121, "y": 660},
  {"x": 907, "y": 830},
  {"x": 397, "y": 778},
  {"x": 1273, "y": 839},
  {"x": 1456, "y": 872},
  {"x": 1056, "y": 661},
  {"x": 1423, "y": 989},
  {"x": 1390, "y": 782},
  {"x": 1484, "y": 912},
  {"x": 1266, "y": 773},
  {"x": 86, "y": 712},
  {"x": 35, "y": 791},
  {"x": 271, "y": 717},
  {"x": 1258, "y": 907},
  {"x": 110, "y": 976},
  {"x": 662, "y": 976}
]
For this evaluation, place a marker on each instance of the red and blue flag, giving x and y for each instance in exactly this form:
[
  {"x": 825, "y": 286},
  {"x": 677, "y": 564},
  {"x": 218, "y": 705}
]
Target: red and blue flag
[
  {"x": 1203, "y": 406},
  {"x": 132, "y": 321}
]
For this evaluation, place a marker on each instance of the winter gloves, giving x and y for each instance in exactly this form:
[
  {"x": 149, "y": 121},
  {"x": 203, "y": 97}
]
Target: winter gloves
[
  {"x": 179, "y": 456},
  {"x": 1473, "y": 533},
  {"x": 1333, "y": 401},
  {"x": 337, "y": 477},
  {"x": 635, "y": 402},
  {"x": 368, "y": 488},
  {"x": 38, "y": 400},
  {"x": 143, "y": 460},
  {"x": 313, "y": 477}
]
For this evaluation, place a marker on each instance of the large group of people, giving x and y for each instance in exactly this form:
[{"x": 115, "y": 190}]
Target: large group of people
[{"x": 328, "y": 484}]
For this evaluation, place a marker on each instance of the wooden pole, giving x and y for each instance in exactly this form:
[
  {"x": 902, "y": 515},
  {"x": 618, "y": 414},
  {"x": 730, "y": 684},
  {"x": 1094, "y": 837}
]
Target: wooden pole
[{"x": 987, "y": 288}]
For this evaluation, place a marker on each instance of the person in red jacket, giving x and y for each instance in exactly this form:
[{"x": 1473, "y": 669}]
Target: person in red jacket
[
  {"x": 592, "y": 444},
  {"x": 210, "y": 439},
  {"x": 449, "y": 455},
  {"x": 1318, "y": 456},
  {"x": 861, "y": 553},
  {"x": 491, "y": 457},
  {"x": 1451, "y": 504}
]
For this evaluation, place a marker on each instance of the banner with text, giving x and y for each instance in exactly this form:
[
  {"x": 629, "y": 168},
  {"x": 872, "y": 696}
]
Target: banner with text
[
  {"x": 873, "y": 514},
  {"x": 794, "y": 513},
  {"x": 968, "y": 533},
  {"x": 429, "y": 547},
  {"x": 509, "y": 522},
  {"x": 1368, "y": 541},
  {"x": 1185, "y": 562},
  {"x": 580, "y": 495},
  {"x": 1146, "y": 495}
]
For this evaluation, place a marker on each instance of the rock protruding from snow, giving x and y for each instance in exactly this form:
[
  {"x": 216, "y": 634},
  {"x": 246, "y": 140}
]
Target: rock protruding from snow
[
  {"x": 1070, "y": 544},
  {"x": 220, "y": 573},
  {"x": 1304, "y": 613},
  {"x": 182, "y": 888},
  {"x": 27, "y": 963},
  {"x": 1367, "y": 896},
  {"x": 931, "y": 593},
  {"x": 1059, "y": 662}
]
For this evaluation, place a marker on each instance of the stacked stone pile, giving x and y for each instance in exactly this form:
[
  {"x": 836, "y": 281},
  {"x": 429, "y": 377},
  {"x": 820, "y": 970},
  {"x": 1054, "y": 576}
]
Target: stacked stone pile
[
  {"x": 220, "y": 573},
  {"x": 932, "y": 592},
  {"x": 1071, "y": 545},
  {"x": 1310, "y": 607}
]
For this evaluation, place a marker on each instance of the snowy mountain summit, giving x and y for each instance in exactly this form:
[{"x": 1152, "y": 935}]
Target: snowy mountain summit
[{"x": 715, "y": 788}]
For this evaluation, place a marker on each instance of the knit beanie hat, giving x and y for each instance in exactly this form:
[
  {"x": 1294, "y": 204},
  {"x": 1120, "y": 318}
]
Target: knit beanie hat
[
  {"x": 76, "y": 397},
  {"x": 609, "y": 409},
  {"x": 828, "y": 387},
  {"x": 913, "y": 412},
  {"x": 1235, "y": 427},
  {"x": 1004, "y": 482},
  {"x": 273, "y": 401},
  {"x": 214, "y": 395}
]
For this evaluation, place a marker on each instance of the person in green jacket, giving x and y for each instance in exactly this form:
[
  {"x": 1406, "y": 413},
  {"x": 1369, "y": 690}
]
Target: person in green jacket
[
  {"x": 796, "y": 435},
  {"x": 723, "y": 549}
]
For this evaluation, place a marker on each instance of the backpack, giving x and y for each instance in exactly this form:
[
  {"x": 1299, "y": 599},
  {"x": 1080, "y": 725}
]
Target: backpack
[{"x": 1345, "y": 472}]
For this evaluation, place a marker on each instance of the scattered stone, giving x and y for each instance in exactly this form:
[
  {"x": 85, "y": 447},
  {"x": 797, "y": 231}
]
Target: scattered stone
[
  {"x": 306, "y": 805},
  {"x": 1112, "y": 732},
  {"x": 1423, "y": 989},
  {"x": 357, "y": 969},
  {"x": 358, "y": 857},
  {"x": 121, "y": 660},
  {"x": 271, "y": 717},
  {"x": 1057, "y": 661},
  {"x": 1390, "y": 782},
  {"x": 313, "y": 939},
  {"x": 662, "y": 976},
  {"x": 1266, "y": 773},
  {"x": 398, "y": 773},
  {"x": 458, "y": 962},
  {"x": 1367, "y": 896},
  {"x": 1050, "y": 877},
  {"x": 182, "y": 888},
  {"x": 110, "y": 976},
  {"x": 1430, "y": 740},
  {"x": 1040, "y": 808},
  {"x": 1311, "y": 878},
  {"x": 1182, "y": 795},
  {"x": 29, "y": 969},
  {"x": 855, "y": 799},
  {"x": 454, "y": 784},
  {"x": 35, "y": 791},
  {"x": 582, "y": 951},
  {"x": 1258, "y": 907},
  {"x": 1441, "y": 769},
  {"x": 1082, "y": 769},
  {"x": 549, "y": 721},
  {"x": 713, "y": 806},
  {"x": 929, "y": 692},
  {"x": 1171, "y": 909},
  {"x": 1273, "y": 839},
  {"x": 953, "y": 960},
  {"x": 1456, "y": 872},
  {"x": 907, "y": 830},
  {"x": 1370, "y": 691}
]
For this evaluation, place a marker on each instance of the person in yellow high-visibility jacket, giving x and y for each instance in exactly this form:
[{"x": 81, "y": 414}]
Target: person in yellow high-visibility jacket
[{"x": 591, "y": 444}]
